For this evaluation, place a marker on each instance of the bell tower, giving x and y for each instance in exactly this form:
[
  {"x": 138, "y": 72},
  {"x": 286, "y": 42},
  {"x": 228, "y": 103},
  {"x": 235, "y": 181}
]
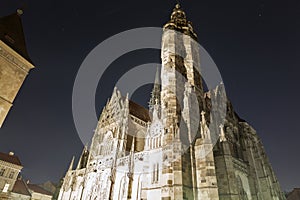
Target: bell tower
[
  {"x": 180, "y": 65},
  {"x": 180, "y": 76},
  {"x": 15, "y": 63}
]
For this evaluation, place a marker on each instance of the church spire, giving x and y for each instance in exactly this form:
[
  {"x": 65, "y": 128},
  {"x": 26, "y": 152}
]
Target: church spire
[
  {"x": 71, "y": 164},
  {"x": 155, "y": 94},
  {"x": 83, "y": 158}
]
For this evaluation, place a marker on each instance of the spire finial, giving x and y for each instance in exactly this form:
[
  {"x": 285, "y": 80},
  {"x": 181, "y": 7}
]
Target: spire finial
[
  {"x": 71, "y": 164},
  {"x": 20, "y": 11},
  {"x": 179, "y": 22},
  {"x": 155, "y": 94}
]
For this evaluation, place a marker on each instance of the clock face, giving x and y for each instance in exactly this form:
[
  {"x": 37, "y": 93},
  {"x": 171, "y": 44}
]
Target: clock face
[{"x": 156, "y": 129}]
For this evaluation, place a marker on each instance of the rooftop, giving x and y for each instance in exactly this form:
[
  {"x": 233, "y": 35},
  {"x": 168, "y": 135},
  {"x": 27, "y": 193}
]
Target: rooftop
[
  {"x": 139, "y": 111},
  {"x": 11, "y": 33},
  {"x": 10, "y": 158},
  {"x": 294, "y": 195},
  {"x": 20, "y": 187},
  {"x": 39, "y": 189}
]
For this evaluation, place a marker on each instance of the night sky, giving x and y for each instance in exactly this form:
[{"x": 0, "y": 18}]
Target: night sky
[{"x": 255, "y": 45}]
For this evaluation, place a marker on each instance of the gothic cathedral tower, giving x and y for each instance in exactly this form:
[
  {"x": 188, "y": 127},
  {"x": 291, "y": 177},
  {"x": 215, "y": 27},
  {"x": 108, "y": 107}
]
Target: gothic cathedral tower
[{"x": 180, "y": 77}]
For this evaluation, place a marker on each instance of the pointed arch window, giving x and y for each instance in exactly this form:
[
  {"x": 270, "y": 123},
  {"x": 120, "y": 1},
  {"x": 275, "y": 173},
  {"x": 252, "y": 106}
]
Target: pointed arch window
[
  {"x": 107, "y": 144},
  {"x": 155, "y": 173}
]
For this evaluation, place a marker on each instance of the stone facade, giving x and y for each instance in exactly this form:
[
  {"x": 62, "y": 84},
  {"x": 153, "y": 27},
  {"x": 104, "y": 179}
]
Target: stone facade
[
  {"x": 168, "y": 153},
  {"x": 10, "y": 167},
  {"x": 14, "y": 62}
]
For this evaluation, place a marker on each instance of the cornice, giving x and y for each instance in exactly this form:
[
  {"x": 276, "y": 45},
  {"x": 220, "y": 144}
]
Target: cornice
[{"x": 14, "y": 58}]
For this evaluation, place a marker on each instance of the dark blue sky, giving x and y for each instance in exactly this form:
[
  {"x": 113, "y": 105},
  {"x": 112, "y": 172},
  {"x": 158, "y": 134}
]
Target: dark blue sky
[{"x": 254, "y": 43}]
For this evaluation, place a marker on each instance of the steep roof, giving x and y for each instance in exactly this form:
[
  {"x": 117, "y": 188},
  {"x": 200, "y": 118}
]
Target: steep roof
[
  {"x": 38, "y": 189},
  {"x": 294, "y": 195},
  {"x": 139, "y": 111},
  {"x": 11, "y": 33},
  {"x": 21, "y": 188},
  {"x": 49, "y": 186},
  {"x": 10, "y": 158}
]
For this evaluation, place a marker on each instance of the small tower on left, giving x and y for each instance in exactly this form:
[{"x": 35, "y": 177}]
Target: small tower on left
[{"x": 15, "y": 63}]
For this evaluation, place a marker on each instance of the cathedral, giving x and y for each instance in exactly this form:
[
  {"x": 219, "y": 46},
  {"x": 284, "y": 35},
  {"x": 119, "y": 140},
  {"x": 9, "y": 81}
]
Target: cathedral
[{"x": 164, "y": 152}]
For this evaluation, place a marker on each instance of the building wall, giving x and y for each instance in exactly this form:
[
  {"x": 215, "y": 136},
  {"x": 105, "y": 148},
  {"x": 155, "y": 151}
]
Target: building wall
[
  {"x": 9, "y": 176},
  {"x": 39, "y": 196},
  {"x": 242, "y": 167},
  {"x": 13, "y": 71},
  {"x": 15, "y": 196}
]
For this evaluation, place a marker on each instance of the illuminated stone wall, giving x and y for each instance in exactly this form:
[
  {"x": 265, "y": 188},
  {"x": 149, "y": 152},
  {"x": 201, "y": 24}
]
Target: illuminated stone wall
[{"x": 13, "y": 71}]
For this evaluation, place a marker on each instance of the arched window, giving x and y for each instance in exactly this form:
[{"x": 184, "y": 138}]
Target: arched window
[
  {"x": 11, "y": 175},
  {"x": 242, "y": 193}
]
